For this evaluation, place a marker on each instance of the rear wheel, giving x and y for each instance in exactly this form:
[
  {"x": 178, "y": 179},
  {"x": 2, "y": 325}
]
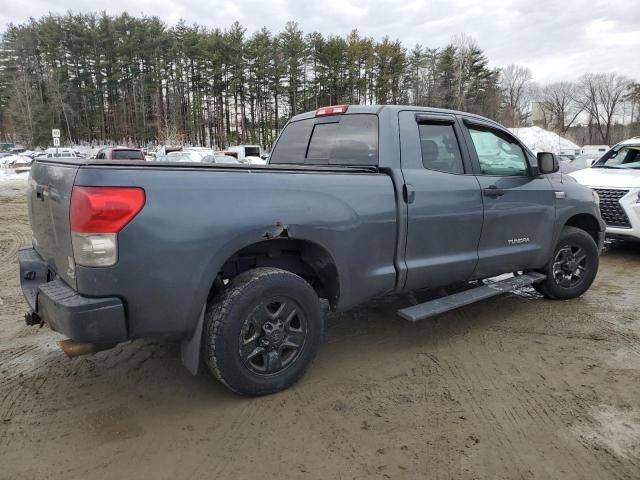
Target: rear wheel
[
  {"x": 262, "y": 331},
  {"x": 572, "y": 268}
]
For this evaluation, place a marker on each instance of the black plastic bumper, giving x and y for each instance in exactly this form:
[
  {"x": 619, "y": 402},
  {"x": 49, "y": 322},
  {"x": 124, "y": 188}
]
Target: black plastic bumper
[
  {"x": 601, "y": 237},
  {"x": 94, "y": 320}
]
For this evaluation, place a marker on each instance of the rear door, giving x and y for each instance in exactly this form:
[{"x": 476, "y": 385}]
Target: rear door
[
  {"x": 519, "y": 207},
  {"x": 49, "y": 197},
  {"x": 443, "y": 200}
]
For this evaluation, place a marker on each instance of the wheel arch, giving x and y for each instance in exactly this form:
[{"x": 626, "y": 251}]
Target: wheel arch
[
  {"x": 274, "y": 248},
  {"x": 587, "y": 222},
  {"x": 305, "y": 258}
]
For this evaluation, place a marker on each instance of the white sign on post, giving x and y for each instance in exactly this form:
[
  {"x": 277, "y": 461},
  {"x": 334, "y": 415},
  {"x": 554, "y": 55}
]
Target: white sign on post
[
  {"x": 55, "y": 133},
  {"x": 56, "y": 141}
]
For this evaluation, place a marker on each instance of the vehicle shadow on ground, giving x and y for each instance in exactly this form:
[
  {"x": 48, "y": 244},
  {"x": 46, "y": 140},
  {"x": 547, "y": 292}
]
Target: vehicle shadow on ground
[{"x": 153, "y": 367}]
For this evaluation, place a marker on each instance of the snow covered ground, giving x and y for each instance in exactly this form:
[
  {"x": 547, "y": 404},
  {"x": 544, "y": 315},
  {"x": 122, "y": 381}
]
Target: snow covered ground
[
  {"x": 541, "y": 140},
  {"x": 9, "y": 175}
]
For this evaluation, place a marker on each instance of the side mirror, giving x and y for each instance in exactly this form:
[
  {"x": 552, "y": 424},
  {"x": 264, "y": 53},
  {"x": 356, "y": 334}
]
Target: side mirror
[
  {"x": 547, "y": 162},
  {"x": 588, "y": 162},
  {"x": 264, "y": 156}
]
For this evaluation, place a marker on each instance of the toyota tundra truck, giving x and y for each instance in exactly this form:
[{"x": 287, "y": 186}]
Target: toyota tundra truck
[{"x": 241, "y": 262}]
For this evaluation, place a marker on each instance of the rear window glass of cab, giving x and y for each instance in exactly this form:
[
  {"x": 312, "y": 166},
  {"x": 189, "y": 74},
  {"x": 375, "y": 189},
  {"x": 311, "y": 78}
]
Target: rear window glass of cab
[{"x": 350, "y": 139}]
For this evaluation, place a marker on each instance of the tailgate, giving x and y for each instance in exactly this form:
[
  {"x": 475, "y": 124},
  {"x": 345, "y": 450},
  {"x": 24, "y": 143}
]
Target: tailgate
[{"x": 48, "y": 199}]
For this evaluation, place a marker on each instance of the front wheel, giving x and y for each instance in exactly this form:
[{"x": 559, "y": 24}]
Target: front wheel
[
  {"x": 262, "y": 331},
  {"x": 572, "y": 268}
]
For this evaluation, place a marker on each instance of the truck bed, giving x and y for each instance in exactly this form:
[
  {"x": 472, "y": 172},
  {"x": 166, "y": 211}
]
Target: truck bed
[
  {"x": 211, "y": 166},
  {"x": 197, "y": 216}
]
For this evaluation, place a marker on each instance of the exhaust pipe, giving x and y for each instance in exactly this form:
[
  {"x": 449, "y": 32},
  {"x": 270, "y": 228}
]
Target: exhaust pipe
[{"x": 75, "y": 349}]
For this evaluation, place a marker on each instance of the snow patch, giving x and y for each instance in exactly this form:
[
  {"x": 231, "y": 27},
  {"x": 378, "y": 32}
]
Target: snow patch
[
  {"x": 541, "y": 140},
  {"x": 8, "y": 174}
]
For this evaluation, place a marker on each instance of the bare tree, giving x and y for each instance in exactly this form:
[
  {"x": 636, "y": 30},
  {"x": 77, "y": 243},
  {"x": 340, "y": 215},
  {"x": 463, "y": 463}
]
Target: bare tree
[
  {"x": 633, "y": 97},
  {"x": 463, "y": 45},
  {"x": 601, "y": 95},
  {"x": 515, "y": 81},
  {"x": 21, "y": 104},
  {"x": 559, "y": 103}
]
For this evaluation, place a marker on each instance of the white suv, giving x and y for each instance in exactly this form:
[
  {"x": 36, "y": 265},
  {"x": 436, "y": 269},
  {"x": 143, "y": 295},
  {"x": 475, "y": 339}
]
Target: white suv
[{"x": 616, "y": 179}]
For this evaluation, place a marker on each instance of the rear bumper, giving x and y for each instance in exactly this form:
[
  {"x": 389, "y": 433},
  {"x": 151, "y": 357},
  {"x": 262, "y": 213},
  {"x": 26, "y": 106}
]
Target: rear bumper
[{"x": 93, "y": 320}]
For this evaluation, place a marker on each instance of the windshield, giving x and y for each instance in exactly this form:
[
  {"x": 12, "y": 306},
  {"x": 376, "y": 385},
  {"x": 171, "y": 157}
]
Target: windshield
[{"x": 627, "y": 156}]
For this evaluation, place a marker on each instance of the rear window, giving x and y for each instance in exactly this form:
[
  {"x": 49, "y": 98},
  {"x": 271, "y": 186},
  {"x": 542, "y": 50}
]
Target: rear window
[
  {"x": 126, "y": 155},
  {"x": 340, "y": 140}
]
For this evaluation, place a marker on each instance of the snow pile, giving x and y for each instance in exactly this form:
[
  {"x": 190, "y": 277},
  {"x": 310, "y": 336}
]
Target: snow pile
[
  {"x": 7, "y": 174},
  {"x": 541, "y": 140}
]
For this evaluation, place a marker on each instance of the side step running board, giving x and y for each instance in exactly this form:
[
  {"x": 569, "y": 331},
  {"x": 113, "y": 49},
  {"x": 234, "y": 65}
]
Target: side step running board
[{"x": 450, "y": 302}]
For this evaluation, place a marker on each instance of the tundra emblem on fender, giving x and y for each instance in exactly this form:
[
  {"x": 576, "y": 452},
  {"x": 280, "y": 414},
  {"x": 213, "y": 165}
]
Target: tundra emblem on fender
[{"x": 518, "y": 241}]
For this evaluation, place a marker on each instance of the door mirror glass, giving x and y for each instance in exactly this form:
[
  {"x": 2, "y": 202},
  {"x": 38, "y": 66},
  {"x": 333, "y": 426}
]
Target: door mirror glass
[{"x": 547, "y": 162}]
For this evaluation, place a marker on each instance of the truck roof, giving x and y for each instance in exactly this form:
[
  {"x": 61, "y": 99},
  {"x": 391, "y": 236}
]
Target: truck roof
[{"x": 377, "y": 109}]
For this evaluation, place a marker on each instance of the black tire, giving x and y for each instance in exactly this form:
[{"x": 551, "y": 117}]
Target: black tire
[
  {"x": 248, "y": 344},
  {"x": 563, "y": 281}
]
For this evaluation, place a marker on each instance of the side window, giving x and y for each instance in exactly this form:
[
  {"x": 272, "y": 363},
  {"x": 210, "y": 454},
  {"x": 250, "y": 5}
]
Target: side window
[
  {"x": 440, "y": 149},
  {"x": 498, "y": 153},
  {"x": 292, "y": 143}
]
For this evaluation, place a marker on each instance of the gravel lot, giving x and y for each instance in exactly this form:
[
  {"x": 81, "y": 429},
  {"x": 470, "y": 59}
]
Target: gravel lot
[{"x": 516, "y": 387}]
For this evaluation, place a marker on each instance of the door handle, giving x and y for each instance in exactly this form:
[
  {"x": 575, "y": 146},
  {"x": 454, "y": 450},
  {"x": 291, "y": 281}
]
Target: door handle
[
  {"x": 409, "y": 193},
  {"x": 493, "y": 191}
]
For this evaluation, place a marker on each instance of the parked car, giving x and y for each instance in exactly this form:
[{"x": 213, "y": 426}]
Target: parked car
[
  {"x": 17, "y": 161},
  {"x": 60, "y": 152},
  {"x": 219, "y": 158},
  {"x": 356, "y": 202},
  {"x": 570, "y": 163},
  {"x": 14, "y": 160},
  {"x": 587, "y": 159},
  {"x": 181, "y": 156},
  {"x": 252, "y": 154},
  {"x": 597, "y": 150},
  {"x": 616, "y": 179},
  {"x": 120, "y": 153}
]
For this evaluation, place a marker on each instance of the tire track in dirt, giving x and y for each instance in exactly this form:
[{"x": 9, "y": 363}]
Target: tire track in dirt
[{"x": 509, "y": 417}]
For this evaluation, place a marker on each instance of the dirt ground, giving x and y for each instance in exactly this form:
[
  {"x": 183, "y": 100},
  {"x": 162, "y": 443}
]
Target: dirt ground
[{"x": 516, "y": 387}]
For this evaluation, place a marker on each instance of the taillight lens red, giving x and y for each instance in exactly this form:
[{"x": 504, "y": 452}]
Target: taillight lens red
[
  {"x": 332, "y": 110},
  {"x": 104, "y": 209}
]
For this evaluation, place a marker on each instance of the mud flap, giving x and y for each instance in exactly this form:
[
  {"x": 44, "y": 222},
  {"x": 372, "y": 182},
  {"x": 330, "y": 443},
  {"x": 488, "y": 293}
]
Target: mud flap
[{"x": 190, "y": 349}]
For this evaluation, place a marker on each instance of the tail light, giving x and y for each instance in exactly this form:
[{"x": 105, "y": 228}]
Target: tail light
[
  {"x": 332, "y": 110},
  {"x": 97, "y": 215}
]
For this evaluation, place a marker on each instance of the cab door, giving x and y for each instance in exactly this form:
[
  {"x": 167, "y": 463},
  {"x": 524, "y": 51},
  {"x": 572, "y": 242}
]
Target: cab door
[
  {"x": 443, "y": 200},
  {"x": 519, "y": 205}
]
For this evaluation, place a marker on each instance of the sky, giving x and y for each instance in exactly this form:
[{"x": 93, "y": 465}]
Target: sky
[{"x": 557, "y": 39}]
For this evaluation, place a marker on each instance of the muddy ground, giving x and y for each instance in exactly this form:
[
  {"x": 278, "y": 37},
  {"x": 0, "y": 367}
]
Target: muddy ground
[{"x": 516, "y": 387}]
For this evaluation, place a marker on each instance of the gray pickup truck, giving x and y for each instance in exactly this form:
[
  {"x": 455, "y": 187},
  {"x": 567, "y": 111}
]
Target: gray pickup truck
[{"x": 240, "y": 262}]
